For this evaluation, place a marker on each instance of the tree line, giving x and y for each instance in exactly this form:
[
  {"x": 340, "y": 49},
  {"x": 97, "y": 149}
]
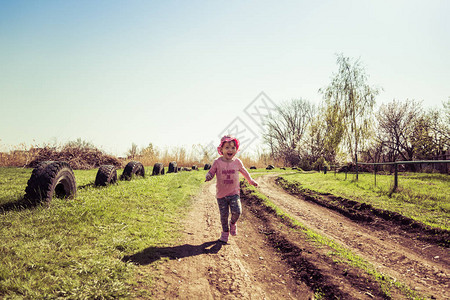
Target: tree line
[{"x": 346, "y": 125}]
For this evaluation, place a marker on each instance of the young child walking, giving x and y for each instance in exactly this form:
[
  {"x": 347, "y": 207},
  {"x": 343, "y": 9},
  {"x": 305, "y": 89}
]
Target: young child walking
[{"x": 227, "y": 169}]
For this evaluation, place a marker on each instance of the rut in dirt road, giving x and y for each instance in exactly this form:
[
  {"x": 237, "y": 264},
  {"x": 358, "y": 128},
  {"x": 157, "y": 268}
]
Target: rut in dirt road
[
  {"x": 422, "y": 266},
  {"x": 198, "y": 267}
]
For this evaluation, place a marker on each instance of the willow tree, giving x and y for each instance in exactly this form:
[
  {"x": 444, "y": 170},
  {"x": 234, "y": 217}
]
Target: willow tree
[
  {"x": 325, "y": 133},
  {"x": 354, "y": 99}
]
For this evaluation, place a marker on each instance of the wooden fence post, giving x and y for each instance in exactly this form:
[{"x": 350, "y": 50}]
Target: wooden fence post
[
  {"x": 375, "y": 173},
  {"x": 395, "y": 177},
  {"x": 356, "y": 164}
]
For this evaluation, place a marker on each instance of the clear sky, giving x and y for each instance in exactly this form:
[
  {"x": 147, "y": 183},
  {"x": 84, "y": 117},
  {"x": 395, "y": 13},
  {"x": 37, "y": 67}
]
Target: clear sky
[{"x": 177, "y": 73}]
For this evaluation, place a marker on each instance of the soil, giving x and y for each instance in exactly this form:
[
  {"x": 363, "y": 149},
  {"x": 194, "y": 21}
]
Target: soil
[{"x": 271, "y": 259}]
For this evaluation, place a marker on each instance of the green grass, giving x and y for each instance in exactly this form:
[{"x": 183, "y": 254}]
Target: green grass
[
  {"x": 74, "y": 248},
  {"x": 423, "y": 197}
]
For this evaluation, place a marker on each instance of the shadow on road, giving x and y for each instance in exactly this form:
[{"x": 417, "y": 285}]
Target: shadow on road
[{"x": 151, "y": 254}]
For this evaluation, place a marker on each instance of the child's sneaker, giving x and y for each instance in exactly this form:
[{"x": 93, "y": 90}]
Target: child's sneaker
[
  {"x": 233, "y": 229},
  {"x": 224, "y": 237}
]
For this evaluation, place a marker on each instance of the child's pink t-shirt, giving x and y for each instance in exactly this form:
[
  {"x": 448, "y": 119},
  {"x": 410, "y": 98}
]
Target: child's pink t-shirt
[{"x": 227, "y": 173}]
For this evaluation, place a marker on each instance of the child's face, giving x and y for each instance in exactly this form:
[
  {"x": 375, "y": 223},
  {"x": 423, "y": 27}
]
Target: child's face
[{"x": 229, "y": 150}]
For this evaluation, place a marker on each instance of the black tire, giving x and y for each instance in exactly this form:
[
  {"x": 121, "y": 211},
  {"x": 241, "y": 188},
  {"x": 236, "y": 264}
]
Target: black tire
[
  {"x": 207, "y": 167},
  {"x": 107, "y": 174},
  {"x": 172, "y": 167},
  {"x": 158, "y": 169},
  {"x": 252, "y": 168},
  {"x": 51, "y": 178},
  {"x": 133, "y": 168},
  {"x": 194, "y": 167}
]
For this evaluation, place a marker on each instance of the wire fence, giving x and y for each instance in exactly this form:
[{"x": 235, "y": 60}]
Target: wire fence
[{"x": 396, "y": 164}]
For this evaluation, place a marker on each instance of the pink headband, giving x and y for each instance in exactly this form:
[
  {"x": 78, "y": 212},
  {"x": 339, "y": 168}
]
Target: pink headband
[{"x": 225, "y": 139}]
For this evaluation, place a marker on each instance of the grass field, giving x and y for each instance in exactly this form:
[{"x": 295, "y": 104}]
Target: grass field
[
  {"x": 423, "y": 197},
  {"x": 73, "y": 248}
]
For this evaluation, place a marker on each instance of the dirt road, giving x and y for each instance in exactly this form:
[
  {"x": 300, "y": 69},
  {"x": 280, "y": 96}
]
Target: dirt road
[
  {"x": 199, "y": 267},
  {"x": 249, "y": 266},
  {"x": 423, "y": 267}
]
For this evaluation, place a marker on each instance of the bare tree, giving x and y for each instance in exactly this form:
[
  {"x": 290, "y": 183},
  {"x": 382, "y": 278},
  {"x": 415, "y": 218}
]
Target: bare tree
[
  {"x": 80, "y": 143},
  {"x": 150, "y": 152},
  {"x": 207, "y": 154},
  {"x": 375, "y": 152},
  {"x": 133, "y": 151},
  {"x": 317, "y": 138},
  {"x": 352, "y": 97},
  {"x": 410, "y": 133},
  {"x": 396, "y": 127},
  {"x": 424, "y": 139},
  {"x": 286, "y": 130},
  {"x": 439, "y": 121}
]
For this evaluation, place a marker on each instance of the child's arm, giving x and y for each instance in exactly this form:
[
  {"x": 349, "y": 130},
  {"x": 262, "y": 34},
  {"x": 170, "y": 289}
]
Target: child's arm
[
  {"x": 211, "y": 172},
  {"x": 247, "y": 176}
]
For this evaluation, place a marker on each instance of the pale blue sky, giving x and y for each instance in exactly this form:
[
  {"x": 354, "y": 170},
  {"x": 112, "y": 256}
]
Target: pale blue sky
[{"x": 176, "y": 73}]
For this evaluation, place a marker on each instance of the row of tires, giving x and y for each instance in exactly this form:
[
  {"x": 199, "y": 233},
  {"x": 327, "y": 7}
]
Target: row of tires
[
  {"x": 269, "y": 167},
  {"x": 56, "y": 178}
]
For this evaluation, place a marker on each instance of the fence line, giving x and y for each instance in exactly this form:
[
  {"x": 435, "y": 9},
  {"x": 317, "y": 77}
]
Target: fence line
[{"x": 396, "y": 163}]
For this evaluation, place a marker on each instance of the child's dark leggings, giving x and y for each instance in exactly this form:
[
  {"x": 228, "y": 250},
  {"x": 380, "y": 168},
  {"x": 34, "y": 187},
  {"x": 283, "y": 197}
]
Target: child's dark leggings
[{"x": 226, "y": 204}]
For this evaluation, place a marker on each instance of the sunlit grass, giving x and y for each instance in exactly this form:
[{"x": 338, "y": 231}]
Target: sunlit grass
[
  {"x": 423, "y": 197},
  {"x": 74, "y": 248}
]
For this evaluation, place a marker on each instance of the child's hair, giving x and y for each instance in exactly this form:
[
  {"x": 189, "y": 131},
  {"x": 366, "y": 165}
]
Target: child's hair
[{"x": 225, "y": 139}]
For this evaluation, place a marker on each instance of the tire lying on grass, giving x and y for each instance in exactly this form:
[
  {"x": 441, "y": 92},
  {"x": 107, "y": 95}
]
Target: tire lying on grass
[
  {"x": 173, "y": 167},
  {"x": 158, "y": 169},
  {"x": 51, "y": 178},
  {"x": 107, "y": 174},
  {"x": 133, "y": 168},
  {"x": 207, "y": 167}
]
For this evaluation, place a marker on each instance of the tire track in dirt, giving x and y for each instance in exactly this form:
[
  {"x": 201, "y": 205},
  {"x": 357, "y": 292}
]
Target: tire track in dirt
[
  {"x": 199, "y": 267},
  {"x": 421, "y": 266}
]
